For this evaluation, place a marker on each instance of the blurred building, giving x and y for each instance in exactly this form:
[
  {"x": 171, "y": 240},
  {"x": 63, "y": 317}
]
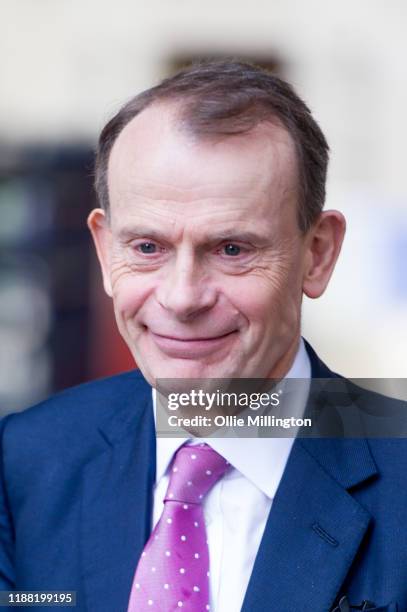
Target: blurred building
[{"x": 66, "y": 67}]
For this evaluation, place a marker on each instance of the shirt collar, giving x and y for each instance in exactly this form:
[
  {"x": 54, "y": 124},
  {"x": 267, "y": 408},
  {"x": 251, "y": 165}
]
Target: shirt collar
[{"x": 260, "y": 460}]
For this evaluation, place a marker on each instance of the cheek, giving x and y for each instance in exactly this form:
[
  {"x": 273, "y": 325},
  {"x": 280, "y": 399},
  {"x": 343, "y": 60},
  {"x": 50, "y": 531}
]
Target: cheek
[
  {"x": 266, "y": 300},
  {"x": 130, "y": 294}
]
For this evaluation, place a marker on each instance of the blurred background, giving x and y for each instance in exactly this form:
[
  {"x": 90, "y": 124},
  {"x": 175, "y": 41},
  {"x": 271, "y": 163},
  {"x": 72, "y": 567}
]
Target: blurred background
[{"x": 67, "y": 65}]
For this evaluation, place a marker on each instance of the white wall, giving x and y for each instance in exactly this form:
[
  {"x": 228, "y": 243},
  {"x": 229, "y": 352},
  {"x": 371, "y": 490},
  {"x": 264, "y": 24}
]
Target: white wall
[{"x": 66, "y": 65}]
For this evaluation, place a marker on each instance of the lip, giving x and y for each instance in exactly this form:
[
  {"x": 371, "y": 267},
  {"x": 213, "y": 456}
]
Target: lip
[{"x": 191, "y": 348}]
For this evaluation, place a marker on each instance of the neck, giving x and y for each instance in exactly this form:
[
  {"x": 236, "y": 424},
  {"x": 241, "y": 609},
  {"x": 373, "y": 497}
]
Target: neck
[{"x": 284, "y": 364}]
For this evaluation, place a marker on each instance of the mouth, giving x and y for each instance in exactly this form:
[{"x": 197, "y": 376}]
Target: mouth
[{"x": 191, "y": 348}]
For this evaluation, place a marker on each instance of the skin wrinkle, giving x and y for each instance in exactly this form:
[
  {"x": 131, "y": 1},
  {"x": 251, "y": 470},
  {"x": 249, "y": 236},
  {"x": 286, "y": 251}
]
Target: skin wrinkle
[
  {"x": 140, "y": 187},
  {"x": 191, "y": 193},
  {"x": 278, "y": 261}
]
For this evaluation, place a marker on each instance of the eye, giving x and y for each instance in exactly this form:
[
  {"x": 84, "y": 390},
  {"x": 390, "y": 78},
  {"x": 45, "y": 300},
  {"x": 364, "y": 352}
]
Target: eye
[
  {"x": 232, "y": 249},
  {"x": 147, "y": 248}
]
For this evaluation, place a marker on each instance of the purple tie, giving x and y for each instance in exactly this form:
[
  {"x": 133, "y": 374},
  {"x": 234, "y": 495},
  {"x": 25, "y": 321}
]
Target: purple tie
[{"x": 172, "y": 573}]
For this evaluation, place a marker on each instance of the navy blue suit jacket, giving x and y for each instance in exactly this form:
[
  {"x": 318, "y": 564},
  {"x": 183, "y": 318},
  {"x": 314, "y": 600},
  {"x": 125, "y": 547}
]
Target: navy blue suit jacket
[{"x": 76, "y": 484}]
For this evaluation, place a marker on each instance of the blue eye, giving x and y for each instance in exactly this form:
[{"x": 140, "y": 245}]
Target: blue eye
[
  {"x": 147, "y": 247},
  {"x": 232, "y": 250}
]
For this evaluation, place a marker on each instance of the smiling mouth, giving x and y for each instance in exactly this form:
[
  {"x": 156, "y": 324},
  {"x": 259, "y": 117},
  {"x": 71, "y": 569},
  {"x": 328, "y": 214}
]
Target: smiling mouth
[
  {"x": 191, "y": 348},
  {"x": 192, "y": 339}
]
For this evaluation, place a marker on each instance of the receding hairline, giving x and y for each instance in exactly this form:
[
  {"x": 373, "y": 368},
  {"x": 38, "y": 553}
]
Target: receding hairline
[
  {"x": 174, "y": 116},
  {"x": 227, "y": 97}
]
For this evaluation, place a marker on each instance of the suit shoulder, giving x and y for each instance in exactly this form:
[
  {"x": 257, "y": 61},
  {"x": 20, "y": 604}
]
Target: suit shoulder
[
  {"x": 374, "y": 403},
  {"x": 81, "y": 407},
  {"x": 384, "y": 414}
]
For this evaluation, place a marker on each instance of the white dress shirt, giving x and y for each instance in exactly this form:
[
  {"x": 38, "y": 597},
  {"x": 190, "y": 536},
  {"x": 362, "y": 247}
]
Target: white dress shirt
[{"x": 237, "y": 507}]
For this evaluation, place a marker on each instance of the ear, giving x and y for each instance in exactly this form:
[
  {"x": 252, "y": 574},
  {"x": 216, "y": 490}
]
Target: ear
[
  {"x": 102, "y": 237},
  {"x": 324, "y": 244}
]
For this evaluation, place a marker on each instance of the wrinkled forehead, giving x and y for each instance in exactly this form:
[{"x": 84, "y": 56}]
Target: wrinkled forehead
[{"x": 156, "y": 152}]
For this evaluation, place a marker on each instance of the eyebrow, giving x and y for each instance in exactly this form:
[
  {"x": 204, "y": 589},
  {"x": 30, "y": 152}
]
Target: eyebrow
[
  {"x": 127, "y": 233},
  {"x": 231, "y": 234}
]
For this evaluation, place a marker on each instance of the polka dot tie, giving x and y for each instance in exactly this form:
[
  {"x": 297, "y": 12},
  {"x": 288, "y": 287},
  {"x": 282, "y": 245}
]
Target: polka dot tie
[{"x": 173, "y": 570}]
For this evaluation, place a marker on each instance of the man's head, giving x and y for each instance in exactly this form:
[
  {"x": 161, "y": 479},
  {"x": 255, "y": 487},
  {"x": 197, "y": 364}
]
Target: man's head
[{"x": 212, "y": 186}]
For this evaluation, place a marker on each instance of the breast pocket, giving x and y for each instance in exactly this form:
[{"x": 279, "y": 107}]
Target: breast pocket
[{"x": 344, "y": 606}]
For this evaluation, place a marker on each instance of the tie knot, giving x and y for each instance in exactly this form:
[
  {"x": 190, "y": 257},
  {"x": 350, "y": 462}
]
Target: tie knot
[{"x": 194, "y": 471}]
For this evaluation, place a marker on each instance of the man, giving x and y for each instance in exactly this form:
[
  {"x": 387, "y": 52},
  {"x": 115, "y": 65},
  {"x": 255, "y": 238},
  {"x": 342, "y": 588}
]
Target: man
[{"x": 210, "y": 231}]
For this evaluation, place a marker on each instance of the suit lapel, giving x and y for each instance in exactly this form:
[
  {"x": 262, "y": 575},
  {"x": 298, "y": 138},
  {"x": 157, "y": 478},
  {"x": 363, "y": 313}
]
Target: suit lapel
[
  {"x": 314, "y": 528},
  {"x": 116, "y": 505}
]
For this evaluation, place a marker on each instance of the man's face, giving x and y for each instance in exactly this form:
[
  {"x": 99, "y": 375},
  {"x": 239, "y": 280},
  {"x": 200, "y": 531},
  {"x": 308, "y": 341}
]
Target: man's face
[{"x": 204, "y": 257}]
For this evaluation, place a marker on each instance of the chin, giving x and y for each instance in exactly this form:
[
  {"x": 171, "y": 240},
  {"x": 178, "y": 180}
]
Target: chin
[
  {"x": 183, "y": 377},
  {"x": 178, "y": 370},
  {"x": 181, "y": 369}
]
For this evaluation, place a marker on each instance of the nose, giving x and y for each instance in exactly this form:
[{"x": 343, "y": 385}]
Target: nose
[{"x": 186, "y": 290}]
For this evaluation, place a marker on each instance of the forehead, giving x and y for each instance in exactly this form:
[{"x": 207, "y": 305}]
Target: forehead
[{"x": 154, "y": 160}]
